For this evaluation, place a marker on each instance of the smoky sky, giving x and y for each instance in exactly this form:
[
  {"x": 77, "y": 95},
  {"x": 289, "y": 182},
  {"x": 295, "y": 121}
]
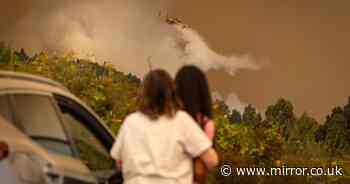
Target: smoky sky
[
  {"x": 132, "y": 34},
  {"x": 306, "y": 43},
  {"x": 254, "y": 51}
]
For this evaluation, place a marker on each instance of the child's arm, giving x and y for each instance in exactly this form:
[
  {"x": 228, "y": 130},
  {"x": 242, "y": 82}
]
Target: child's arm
[
  {"x": 119, "y": 165},
  {"x": 209, "y": 129},
  {"x": 200, "y": 169}
]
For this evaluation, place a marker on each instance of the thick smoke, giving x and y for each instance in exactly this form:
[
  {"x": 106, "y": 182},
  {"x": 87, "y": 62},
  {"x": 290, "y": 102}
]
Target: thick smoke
[
  {"x": 131, "y": 34},
  {"x": 232, "y": 101}
]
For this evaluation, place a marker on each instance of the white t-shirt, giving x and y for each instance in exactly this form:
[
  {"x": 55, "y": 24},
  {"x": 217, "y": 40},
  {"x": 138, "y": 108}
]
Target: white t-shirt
[{"x": 159, "y": 151}]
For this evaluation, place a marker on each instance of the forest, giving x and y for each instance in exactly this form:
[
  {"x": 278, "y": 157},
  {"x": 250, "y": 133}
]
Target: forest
[{"x": 267, "y": 139}]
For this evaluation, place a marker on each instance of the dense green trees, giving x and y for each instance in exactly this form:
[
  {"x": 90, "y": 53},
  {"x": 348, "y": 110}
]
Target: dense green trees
[
  {"x": 303, "y": 130},
  {"x": 281, "y": 115},
  {"x": 335, "y": 132},
  {"x": 247, "y": 139},
  {"x": 250, "y": 116},
  {"x": 235, "y": 116},
  {"x": 112, "y": 94}
]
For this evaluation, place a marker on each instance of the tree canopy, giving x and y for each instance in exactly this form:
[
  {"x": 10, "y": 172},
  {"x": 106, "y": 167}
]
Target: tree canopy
[{"x": 247, "y": 139}]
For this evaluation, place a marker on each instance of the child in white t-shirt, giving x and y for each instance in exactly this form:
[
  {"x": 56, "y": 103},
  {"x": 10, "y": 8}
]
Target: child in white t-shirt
[{"x": 193, "y": 90}]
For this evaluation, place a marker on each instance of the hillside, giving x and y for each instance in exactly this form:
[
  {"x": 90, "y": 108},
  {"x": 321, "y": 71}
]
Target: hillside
[
  {"x": 112, "y": 94},
  {"x": 242, "y": 140}
]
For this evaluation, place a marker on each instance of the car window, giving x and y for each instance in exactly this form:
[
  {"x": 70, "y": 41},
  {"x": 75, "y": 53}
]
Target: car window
[
  {"x": 4, "y": 107},
  {"x": 91, "y": 149},
  {"x": 37, "y": 117}
]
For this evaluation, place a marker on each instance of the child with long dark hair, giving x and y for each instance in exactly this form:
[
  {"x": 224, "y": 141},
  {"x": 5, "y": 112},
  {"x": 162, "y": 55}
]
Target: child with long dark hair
[
  {"x": 157, "y": 143},
  {"x": 193, "y": 89}
]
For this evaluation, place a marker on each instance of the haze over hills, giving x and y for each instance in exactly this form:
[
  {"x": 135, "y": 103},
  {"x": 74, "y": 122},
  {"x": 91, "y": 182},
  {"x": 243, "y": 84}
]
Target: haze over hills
[
  {"x": 293, "y": 49},
  {"x": 242, "y": 139},
  {"x": 305, "y": 42}
]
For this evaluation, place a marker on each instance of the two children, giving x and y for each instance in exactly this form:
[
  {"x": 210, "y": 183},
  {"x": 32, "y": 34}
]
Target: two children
[{"x": 159, "y": 142}]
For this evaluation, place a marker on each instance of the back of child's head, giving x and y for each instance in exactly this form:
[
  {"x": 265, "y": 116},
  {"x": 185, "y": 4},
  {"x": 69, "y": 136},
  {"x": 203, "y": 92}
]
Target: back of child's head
[
  {"x": 158, "y": 95},
  {"x": 193, "y": 90}
]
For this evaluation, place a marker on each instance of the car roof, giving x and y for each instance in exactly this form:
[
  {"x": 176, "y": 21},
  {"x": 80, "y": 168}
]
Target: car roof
[{"x": 18, "y": 80}]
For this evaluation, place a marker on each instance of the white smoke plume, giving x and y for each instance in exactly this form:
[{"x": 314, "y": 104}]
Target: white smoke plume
[
  {"x": 197, "y": 52},
  {"x": 232, "y": 101},
  {"x": 129, "y": 34}
]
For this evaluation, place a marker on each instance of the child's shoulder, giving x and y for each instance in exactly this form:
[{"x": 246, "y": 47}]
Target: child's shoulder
[
  {"x": 183, "y": 115},
  {"x": 134, "y": 118}
]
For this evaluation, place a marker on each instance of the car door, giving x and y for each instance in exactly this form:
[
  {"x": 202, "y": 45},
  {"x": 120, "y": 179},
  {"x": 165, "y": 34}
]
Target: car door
[
  {"x": 5, "y": 110},
  {"x": 91, "y": 139},
  {"x": 6, "y": 174}
]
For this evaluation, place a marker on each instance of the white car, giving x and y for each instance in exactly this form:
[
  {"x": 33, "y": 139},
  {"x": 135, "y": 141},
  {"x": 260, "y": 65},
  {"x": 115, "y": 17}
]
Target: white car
[{"x": 53, "y": 138}]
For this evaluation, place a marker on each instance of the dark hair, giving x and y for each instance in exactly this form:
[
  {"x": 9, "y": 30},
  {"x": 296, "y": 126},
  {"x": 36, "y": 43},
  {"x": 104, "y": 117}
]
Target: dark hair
[
  {"x": 193, "y": 89},
  {"x": 158, "y": 95}
]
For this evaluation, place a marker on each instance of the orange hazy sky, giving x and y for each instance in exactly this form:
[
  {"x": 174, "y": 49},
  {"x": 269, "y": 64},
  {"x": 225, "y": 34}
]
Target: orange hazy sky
[{"x": 305, "y": 42}]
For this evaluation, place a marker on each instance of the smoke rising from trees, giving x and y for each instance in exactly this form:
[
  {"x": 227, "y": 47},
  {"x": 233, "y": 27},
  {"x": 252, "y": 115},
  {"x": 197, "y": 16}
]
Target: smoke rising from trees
[{"x": 132, "y": 34}]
